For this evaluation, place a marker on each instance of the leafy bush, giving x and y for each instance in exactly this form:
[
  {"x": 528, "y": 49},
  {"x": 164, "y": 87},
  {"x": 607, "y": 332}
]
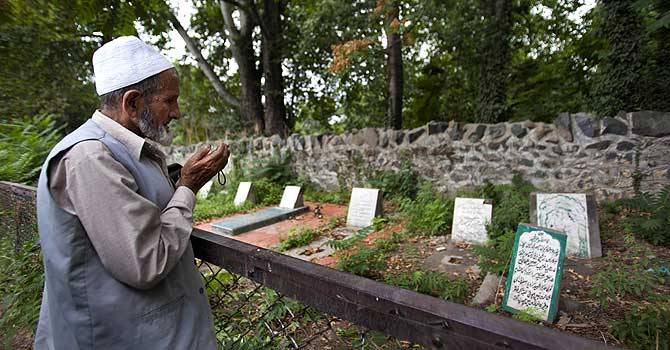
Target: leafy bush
[
  {"x": 651, "y": 219},
  {"x": 21, "y": 283},
  {"x": 403, "y": 183},
  {"x": 299, "y": 237},
  {"x": 644, "y": 326},
  {"x": 511, "y": 208},
  {"x": 267, "y": 192},
  {"x": 617, "y": 281},
  {"x": 432, "y": 283},
  {"x": 351, "y": 240},
  {"x": 218, "y": 205},
  {"x": 430, "y": 214},
  {"x": 366, "y": 262},
  {"x": 24, "y": 144},
  {"x": 276, "y": 169}
]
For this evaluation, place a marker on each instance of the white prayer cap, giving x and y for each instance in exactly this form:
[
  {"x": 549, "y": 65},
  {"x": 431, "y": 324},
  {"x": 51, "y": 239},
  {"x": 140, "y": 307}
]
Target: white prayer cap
[{"x": 125, "y": 61}]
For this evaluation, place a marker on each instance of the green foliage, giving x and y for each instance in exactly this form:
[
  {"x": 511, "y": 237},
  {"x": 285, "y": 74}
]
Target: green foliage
[
  {"x": 430, "y": 214},
  {"x": 432, "y": 283},
  {"x": 24, "y": 144},
  {"x": 651, "y": 217},
  {"x": 341, "y": 196},
  {"x": 298, "y": 237},
  {"x": 366, "y": 262},
  {"x": 218, "y": 205},
  {"x": 621, "y": 281},
  {"x": 275, "y": 169},
  {"x": 21, "y": 283},
  {"x": 529, "y": 315},
  {"x": 403, "y": 183},
  {"x": 511, "y": 208},
  {"x": 492, "y": 308},
  {"x": 644, "y": 326},
  {"x": 268, "y": 192},
  {"x": 351, "y": 240}
]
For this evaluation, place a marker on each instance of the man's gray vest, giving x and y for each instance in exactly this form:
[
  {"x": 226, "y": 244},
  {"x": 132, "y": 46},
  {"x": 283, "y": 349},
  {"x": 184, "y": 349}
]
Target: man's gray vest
[{"x": 83, "y": 306}]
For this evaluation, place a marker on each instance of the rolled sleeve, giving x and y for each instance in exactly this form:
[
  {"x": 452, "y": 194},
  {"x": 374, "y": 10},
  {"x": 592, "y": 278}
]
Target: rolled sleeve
[{"x": 137, "y": 242}]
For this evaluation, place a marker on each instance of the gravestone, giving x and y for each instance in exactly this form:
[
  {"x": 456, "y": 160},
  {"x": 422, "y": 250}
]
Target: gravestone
[
  {"x": 244, "y": 194},
  {"x": 292, "y": 197},
  {"x": 534, "y": 277},
  {"x": 471, "y": 215},
  {"x": 572, "y": 213},
  {"x": 364, "y": 205},
  {"x": 204, "y": 190}
]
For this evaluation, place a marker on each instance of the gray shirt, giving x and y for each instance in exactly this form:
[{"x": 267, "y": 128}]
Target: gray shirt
[{"x": 153, "y": 241}]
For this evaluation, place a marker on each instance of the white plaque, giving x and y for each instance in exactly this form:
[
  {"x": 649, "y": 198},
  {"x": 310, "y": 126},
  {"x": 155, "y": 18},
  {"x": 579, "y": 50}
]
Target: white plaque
[
  {"x": 243, "y": 193},
  {"x": 574, "y": 214},
  {"x": 364, "y": 205},
  {"x": 471, "y": 216},
  {"x": 292, "y": 197}
]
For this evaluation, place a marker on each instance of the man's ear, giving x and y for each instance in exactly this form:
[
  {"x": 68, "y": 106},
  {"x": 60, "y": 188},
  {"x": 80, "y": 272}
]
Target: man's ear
[{"x": 131, "y": 104}]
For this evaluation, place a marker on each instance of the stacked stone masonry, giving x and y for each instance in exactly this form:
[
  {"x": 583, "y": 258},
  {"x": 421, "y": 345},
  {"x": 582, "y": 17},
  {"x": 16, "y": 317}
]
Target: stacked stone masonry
[{"x": 576, "y": 153}]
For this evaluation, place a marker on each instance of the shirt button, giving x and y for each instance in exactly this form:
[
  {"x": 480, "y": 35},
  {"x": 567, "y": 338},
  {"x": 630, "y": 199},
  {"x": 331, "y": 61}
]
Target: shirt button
[{"x": 200, "y": 290}]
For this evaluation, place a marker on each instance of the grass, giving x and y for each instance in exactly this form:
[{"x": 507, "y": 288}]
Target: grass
[
  {"x": 432, "y": 283},
  {"x": 299, "y": 237}
]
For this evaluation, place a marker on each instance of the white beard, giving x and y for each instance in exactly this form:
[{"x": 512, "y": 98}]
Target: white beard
[{"x": 161, "y": 134}]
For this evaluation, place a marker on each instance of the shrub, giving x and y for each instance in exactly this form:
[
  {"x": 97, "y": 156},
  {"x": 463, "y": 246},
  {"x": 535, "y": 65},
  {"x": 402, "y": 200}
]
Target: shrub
[
  {"x": 299, "y": 237},
  {"x": 617, "y": 281},
  {"x": 651, "y": 217},
  {"x": 24, "y": 144},
  {"x": 351, "y": 240},
  {"x": 644, "y": 326},
  {"x": 403, "y": 183},
  {"x": 511, "y": 208},
  {"x": 21, "y": 283},
  {"x": 432, "y": 283},
  {"x": 366, "y": 262},
  {"x": 430, "y": 214}
]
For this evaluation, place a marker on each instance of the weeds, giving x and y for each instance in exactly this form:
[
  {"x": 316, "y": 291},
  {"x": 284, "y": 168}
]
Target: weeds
[
  {"x": 651, "y": 216},
  {"x": 21, "y": 283},
  {"x": 299, "y": 237},
  {"x": 432, "y": 283},
  {"x": 366, "y": 262},
  {"x": 399, "y": 184},
  {"x": 430, "y": 214},
  {"x": 644, "y": 326}
]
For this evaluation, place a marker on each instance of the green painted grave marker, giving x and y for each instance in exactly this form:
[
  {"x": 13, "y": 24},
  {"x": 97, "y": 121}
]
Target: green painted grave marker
[{"x": 534, "y": 277}]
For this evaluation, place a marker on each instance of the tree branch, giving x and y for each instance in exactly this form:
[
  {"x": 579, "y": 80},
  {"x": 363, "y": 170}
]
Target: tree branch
[
  {"x": 227, "y": 13},
  {"x": 203, "y": 64}
]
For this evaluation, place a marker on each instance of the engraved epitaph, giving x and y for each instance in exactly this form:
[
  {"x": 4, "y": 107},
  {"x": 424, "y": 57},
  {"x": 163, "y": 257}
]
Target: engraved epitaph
[
  {"x": 533, "y": 281},
  {"x": 471, "y": 216},
  {"x": 244, "y": 194},
  {"x": 292, "y": 198},
  {"x": 572, "y": 213},
  {"x": 365, "y": 204}
]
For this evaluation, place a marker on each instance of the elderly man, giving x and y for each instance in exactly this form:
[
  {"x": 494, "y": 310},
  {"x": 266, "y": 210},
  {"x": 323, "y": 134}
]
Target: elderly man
[{"x": 114, "y": 227}]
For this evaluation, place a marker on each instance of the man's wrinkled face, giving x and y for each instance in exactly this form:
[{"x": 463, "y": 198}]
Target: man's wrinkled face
[{"x": 160, "y": 108}]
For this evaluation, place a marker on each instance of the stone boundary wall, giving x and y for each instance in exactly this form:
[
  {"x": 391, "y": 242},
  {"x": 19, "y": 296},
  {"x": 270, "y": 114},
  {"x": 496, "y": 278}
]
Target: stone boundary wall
[{"x": 576, "y": 153}]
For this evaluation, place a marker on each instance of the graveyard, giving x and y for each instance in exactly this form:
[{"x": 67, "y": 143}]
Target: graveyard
[{"x": 561, "y": 260}]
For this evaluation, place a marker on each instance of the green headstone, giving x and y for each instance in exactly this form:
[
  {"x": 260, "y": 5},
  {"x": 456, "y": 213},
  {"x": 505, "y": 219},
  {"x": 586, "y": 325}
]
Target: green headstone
[{"x": 534, "y": 277}]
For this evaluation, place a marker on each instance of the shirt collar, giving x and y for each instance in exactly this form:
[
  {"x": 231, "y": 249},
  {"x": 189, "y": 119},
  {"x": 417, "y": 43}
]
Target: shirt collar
[{"x": 129, "y": 139}]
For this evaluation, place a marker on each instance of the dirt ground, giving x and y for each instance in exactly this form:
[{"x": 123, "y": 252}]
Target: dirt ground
[{"x": 579, "y": 312}]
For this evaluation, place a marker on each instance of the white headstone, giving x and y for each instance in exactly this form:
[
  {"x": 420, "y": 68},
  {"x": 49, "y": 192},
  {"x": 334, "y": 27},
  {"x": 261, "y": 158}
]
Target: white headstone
[
  {"x": 204, "y": 190},
  {"x": 471, "y": 216},
  {"x": 243, "y": 194},
  {"x": 572, "y": 213},
  {"x": 364, "y": 205},
  {"x": 534, "y": 277},
  {"x": 292, "y": 198}
]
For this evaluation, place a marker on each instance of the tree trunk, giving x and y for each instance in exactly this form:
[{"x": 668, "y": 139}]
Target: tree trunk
[
  {"x": 241, "y": 45},
  {"x": 275, "y": 110},
  {"x": 495, "y": 61},
  {"x": 395, "y": 70},
  {"x": 206, "y": 68}
]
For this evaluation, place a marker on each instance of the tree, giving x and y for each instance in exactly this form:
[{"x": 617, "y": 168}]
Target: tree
[
  {"x": 620, "y": 73},
  {"x": 494, "y": 66}
]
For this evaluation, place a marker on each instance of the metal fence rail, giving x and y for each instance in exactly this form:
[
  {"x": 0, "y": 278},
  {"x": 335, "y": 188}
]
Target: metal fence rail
[{"x": 264, "y": 299}]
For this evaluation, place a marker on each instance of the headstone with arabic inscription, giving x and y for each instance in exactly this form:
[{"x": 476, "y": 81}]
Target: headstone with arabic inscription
[
  {"x": 572, "y": 213},
  {"x": 292, "y": 198},
  {"x": 364, "y": 205},
  {"x": 471, "y": 216},
  {"x": 534, "y": 277},
  {"x": 244, "y": 194}
]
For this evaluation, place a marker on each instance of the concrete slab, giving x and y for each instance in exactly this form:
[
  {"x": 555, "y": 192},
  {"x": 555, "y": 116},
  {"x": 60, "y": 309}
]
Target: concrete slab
[
  {"x": 456, "y": 260},
  {"x": 235, "y": 226}
]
